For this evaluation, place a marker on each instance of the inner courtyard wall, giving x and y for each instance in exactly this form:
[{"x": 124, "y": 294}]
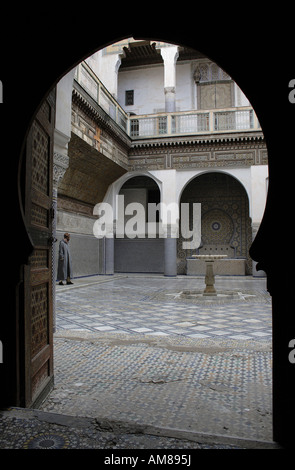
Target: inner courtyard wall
[{"x": 100, "y": 160}]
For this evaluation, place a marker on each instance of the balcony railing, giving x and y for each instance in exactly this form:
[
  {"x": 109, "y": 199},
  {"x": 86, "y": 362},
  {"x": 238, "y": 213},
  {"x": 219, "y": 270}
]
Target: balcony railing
[
  {"x": 166, "y": 124},
  {"x": 195, "y": 122},
  {"x": 94, "y": 87}
]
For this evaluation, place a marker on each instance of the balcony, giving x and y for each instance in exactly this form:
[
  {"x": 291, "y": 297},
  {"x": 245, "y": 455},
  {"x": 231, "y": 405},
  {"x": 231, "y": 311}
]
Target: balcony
[
  {"x": 98, "y": 92},
  {"x": 137, "y": 127},
  {"x": 193, "y": 123}
]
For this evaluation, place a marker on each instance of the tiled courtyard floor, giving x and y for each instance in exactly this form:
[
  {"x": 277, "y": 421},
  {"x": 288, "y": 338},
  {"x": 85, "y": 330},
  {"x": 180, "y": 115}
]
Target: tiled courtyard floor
[
  {"x": 153, "y": 306},
  {"x": 130, "y": 349}
]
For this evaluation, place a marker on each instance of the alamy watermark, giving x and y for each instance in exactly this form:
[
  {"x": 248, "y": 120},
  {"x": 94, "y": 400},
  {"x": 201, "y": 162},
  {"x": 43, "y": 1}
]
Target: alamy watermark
[
  {"x": 1, "y": 92},
  {"x": 292, "y": 353},
  {"x": 291, "y": 95},
  {"x": 136, "y": 220},
  {"x": 1, "y": 352}
]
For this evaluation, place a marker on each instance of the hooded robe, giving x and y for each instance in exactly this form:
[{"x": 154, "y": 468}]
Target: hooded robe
[{"x": 64, "y": 269}]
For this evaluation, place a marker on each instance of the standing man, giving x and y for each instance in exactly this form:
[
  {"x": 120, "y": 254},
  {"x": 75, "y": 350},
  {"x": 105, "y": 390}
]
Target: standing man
[{"x": 64, "y": 270}]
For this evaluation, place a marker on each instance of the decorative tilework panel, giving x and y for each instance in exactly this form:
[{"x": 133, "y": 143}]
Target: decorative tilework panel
[{"x": 225, "y": 217}]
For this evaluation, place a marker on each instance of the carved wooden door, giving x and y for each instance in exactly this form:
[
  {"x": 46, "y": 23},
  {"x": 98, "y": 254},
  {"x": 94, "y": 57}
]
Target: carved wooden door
[{"x": 38, "y": 321}]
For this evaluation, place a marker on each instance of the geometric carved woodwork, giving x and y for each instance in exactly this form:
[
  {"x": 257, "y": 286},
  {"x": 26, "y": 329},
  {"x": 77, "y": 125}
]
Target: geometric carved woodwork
[
  {"x": 39, "y": 319},
  {"x": 38, "y": 322},
  {"x": 40, "y": 158}
]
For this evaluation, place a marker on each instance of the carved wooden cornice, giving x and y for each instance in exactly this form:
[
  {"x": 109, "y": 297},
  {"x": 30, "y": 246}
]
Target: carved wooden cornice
[
  {"x": 95, "y": 112},
  {"x": 210, "y": 152},
  {"x": 179, "y": 142}
]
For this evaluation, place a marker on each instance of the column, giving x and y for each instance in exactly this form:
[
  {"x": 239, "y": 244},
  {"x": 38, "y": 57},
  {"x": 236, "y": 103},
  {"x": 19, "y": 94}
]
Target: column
[
  {"x": 170, "y": 250},
  {"x": 169, "y": 218},
  {"x": 106, "y": 247},
  {"x": 170, "y": 56},
  {"x": 109, "y": 254}
]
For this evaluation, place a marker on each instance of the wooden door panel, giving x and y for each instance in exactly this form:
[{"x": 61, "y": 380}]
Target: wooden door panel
[{"x": 38, "y": 325}]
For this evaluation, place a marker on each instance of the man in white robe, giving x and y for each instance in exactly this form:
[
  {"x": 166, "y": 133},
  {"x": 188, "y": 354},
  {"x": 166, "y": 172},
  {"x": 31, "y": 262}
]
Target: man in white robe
[{"x": 64, "y": 270}]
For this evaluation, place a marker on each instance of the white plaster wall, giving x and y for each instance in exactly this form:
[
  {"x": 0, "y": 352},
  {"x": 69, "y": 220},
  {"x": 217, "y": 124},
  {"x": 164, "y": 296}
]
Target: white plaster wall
[
  {"x": 63, "y": 114},
  {"x": 106, "y": 68},
  {"x": 185, "y": 88},
  {"x": 94, "y": 62},
  {"x": 148, "y": 83},
  {"x": 168, "y": 180},
  {"x": 169, "y": 213},
  {"x": 148, "y": 86},
  {"x": 259, "y": 181},
  {"x": 240, "y": 98}
]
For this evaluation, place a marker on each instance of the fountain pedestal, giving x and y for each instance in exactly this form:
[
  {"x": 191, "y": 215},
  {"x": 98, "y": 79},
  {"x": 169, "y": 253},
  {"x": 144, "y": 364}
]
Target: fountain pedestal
[{"x": 209, "y": 277}]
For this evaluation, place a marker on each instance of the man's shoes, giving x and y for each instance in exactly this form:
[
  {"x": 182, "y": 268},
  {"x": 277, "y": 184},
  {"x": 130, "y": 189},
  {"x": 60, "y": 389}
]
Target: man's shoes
[
  {"x": 70, "y": 282},
  {"x": 61, "y": 283}
]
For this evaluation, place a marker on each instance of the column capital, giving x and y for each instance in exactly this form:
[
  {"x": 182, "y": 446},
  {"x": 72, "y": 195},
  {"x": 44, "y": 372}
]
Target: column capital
[
  {"x": 169, "y": 89},
  {"x": 170, "y": 55}
]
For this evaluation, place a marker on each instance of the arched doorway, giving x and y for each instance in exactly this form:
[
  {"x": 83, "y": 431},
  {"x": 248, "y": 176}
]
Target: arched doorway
[
  {"x": 225, "y": 221},
  {"x": 269, "y": 233},
  {"x": 138, "y": 249}
]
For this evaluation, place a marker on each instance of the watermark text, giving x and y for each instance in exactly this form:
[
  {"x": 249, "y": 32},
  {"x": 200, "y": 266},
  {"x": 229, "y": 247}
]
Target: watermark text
[
  {"x": 292, "y": 92},
  {"x": 135, "y": 220},
  {"x": 152, "y": 459},
  {"x": 292, "y": 353}
]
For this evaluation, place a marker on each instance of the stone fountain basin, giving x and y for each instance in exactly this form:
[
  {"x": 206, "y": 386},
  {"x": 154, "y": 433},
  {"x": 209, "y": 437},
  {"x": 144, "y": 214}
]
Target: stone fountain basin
[
  {"x": 198, "y": 294},
  {"x": 209, "y": 257},
  {"x": 210, "y": 291},
  {"x": 221, "y": 263}
]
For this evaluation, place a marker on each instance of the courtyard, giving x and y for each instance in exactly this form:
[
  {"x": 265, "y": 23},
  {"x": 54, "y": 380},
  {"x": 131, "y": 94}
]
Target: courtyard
[{"x": 129, "y": 349}]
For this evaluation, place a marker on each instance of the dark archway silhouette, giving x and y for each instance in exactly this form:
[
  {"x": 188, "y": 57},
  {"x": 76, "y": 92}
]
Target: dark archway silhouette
[{"x": 252, "y": 69}]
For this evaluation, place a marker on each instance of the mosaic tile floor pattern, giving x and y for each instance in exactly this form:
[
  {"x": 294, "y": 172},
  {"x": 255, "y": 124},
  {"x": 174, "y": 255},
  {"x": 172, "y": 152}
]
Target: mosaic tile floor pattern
[
  {"x": 150, "y": 306},
  {"x": 227, "y": 392},
  {"x": 19, "y": 430},
  {"x": 117, "y": 355}
]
